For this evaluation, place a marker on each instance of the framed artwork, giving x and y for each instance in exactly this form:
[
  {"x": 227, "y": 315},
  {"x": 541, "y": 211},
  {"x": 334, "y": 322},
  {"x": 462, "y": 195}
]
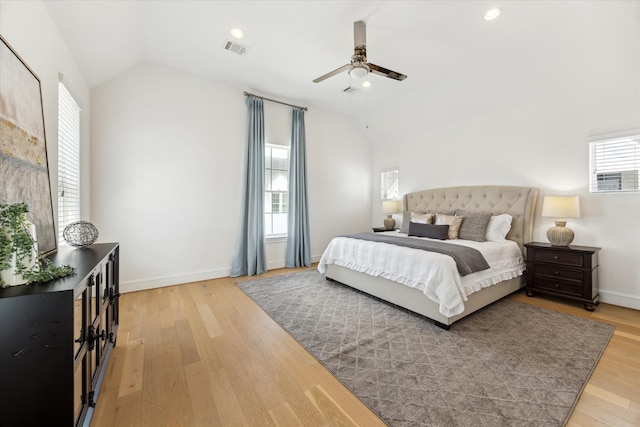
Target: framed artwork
[{"x": 24, "y": 169}]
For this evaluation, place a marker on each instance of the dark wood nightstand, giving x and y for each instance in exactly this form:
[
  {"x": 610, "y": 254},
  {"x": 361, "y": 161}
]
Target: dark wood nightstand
[{"x": 567, "y": 271}]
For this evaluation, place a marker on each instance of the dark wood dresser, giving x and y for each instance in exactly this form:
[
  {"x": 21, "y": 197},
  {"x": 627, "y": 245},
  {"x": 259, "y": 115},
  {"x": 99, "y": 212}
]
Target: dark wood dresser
[
  {"x": 56, "y": 339},
  {"x": 567, "y": 271}
]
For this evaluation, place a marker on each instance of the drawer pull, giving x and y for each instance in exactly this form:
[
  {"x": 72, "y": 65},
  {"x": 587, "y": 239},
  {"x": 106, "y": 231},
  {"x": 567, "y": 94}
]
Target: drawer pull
[
  {"x": 557, "y": 285},
  {"x": 556, "y": 257},
  {"x": 556, "y": 272}
]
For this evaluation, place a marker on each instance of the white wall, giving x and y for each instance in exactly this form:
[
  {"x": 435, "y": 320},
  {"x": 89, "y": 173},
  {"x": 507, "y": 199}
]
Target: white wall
[
  {"x": 27, "y": 27},
  {"x": 494, "y": 126},
  {"x": 167, "y": 167}
]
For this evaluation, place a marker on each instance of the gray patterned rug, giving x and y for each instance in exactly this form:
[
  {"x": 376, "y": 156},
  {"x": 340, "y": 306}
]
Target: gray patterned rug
[{"x": 510, "y": 364}]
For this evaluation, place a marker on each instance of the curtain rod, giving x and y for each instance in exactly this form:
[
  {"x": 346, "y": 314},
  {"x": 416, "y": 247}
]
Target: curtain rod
[{"x": 273, "y": 100}]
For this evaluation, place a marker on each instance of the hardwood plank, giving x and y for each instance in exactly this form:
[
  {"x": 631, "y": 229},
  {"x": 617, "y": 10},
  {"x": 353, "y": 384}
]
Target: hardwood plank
[
  {"x": 200, "y": 395},
  {"x": 284, "y": 416},
  {"x": 186, "y": 342},
  {"x": 329, "y": 407},
  {"x": 131, "y": 381},
  {"x": 209, "y": 320},
  {"x": 607, "y": 396},
  {"x": 228, "y": 406}
]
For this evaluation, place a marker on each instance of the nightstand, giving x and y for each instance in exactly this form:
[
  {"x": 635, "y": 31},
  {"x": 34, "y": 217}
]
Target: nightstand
[{"x": 566, "y": 271}]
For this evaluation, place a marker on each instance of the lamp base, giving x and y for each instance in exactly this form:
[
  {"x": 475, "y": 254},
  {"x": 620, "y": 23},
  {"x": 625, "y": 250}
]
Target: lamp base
[
  {"x": 389, "y": 223},
  {"x": 560, "y": 235}
]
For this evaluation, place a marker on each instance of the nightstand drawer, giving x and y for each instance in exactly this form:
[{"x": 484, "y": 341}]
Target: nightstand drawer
[
  {"x": 559, "y": 273},
  {"x": 559, "y": 286},
  {"x": 559, "y": 257}
]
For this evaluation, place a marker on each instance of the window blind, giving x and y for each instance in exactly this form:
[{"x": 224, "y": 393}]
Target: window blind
[
  {"x": 614, "y": 164},
  {"x": 68, "y": 160},
  {"x": 389, "y": 184}
]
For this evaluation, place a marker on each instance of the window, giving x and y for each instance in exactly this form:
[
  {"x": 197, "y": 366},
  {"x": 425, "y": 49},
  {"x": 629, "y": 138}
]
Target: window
[
  {"x": 389, "y": 184},
  {"x": 276, "y": 196},
  {"x": 68, "y": 160},
  {"x": 614, "y": 164}
]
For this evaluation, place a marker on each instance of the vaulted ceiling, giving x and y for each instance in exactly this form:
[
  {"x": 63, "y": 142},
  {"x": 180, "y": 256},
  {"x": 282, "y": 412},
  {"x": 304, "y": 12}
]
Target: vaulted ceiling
[{"x": 292, "y": 42}]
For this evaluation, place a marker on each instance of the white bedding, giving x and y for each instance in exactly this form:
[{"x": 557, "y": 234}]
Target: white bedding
[{"x": 434, "y": 274}]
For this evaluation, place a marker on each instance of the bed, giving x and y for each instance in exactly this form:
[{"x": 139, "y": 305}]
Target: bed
[{"x": 518, "y": 202}]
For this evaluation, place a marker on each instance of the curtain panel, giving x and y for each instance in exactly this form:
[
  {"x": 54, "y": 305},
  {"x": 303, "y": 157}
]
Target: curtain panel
[
  {"x": 249, "y": 257},
  {"x": 298, "y": 252}
]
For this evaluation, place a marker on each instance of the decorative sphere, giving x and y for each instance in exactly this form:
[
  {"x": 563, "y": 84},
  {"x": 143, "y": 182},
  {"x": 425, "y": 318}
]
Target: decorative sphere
[{"x": 80, "y": 233}]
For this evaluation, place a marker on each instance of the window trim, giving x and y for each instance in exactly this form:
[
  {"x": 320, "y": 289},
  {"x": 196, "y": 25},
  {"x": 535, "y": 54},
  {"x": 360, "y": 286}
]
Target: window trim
[
  {"x": 614, "y": 157},
  {"x": 276, "y": 237}
]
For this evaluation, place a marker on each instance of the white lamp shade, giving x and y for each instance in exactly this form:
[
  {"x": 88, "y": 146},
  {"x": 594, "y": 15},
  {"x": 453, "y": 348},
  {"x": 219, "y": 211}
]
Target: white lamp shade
[
  {"x": 390, "y": 206},
  {"x": 561, "y": 207}
]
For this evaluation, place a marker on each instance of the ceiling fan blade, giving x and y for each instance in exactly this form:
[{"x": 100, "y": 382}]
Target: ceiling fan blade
[
  {"x": 332, "y": 73},
  {"x": 359, "y": 34},
  {"x": 381, "y": 71}
]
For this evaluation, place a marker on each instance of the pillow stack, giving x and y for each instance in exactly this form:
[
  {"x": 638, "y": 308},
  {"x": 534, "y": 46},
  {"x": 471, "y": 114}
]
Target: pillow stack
[{"x": 461, "y": 224}]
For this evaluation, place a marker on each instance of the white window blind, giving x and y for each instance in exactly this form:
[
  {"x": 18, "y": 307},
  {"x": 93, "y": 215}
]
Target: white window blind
[
  {"x": 389, "y": 184},
  {"x": 68, "y": 160},
  {"x": 614, "y": 164}
]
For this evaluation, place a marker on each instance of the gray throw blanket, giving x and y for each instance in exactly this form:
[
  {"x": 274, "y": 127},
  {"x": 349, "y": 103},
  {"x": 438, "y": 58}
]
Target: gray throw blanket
[{"x": 468, "y": 260}]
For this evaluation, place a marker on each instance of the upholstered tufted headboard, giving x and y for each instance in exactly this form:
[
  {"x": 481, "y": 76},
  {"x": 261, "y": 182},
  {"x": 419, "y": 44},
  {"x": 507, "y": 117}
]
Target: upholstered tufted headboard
[{"x": 519, "y": 202}]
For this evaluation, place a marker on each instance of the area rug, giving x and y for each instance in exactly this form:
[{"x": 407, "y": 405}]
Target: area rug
[{"x": 509, "y": 364}]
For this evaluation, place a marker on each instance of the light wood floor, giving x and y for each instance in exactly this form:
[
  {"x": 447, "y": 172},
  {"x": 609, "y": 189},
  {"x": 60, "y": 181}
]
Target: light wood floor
[{"x": 203, "y": 354}]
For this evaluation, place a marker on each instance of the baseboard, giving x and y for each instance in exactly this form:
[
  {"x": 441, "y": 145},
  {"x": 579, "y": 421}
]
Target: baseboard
[
  {"x": 618, "y": 298},
  {"x": 179, "y": 279},
  {"x": 272, "y": 265}
]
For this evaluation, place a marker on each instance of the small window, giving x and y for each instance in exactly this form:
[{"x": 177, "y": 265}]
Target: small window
[
  {"x": 614, "y": 164},
  {"x": 276, "y": 196},
  {"x": 68, "y": 160},
  {"x": 389, "y": 184}
]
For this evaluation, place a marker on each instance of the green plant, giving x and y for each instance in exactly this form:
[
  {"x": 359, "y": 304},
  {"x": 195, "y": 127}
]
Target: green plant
[{"x": 16, "y": 246}]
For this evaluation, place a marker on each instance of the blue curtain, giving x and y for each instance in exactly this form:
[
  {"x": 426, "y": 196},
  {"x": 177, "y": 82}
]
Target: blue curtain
[
  {"x": 298, "y": 248},
  {"x": 249, "y": 257}
]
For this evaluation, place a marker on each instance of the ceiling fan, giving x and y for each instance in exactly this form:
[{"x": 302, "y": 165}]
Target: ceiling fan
[{"x": 359, "y": 67}]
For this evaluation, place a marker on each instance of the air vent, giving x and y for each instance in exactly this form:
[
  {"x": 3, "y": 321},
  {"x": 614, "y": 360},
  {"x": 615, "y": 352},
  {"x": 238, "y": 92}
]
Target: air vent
[
  {"x": 236, "y": 48},
  {"x": 351, "y": 90}
]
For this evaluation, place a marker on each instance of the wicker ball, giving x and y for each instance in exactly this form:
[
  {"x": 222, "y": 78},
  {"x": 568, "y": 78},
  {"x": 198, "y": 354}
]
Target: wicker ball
[{"x": 80, "y": 233}]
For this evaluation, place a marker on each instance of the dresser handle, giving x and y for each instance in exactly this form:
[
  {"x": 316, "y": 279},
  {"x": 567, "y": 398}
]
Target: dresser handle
[
  {"x": 557, "y": 285},
  {"x": 556, "y": 257},
  {"x": 556, "y": 272}
]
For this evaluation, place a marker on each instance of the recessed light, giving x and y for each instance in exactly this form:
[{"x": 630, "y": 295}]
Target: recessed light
[
  {"x": 366, "y": 83},
  {"x": 492, "y": 14},
  {"x": 237, "y": 33}
]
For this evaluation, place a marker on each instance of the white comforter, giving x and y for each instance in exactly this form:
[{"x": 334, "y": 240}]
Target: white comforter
[{"x": 434, "y": 274}]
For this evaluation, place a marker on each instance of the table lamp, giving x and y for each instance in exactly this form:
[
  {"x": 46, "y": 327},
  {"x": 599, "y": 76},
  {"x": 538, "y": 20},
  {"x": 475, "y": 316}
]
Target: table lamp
[
  {"x": 390, "y": 207},
  {"x": 560, "y": 207}
]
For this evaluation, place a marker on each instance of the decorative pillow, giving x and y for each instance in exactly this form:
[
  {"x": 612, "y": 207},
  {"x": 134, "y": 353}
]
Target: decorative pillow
[
  {"x": 474, "y": 226},
  {"x": 422, "y": 218},
  {"x": 431, "y": 231},
  {"x": 498, "y": 227},
  {"x": 453, "y": 222},
  {"x": 406, "y": 219}
]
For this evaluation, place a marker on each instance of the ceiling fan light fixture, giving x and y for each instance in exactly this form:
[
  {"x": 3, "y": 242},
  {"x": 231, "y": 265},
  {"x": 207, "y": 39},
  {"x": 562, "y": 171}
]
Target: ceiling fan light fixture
[
  {"x": 366, "y": 83},
  {"x": 359, "y": 71},
  {"x": 492, "y": 14}
]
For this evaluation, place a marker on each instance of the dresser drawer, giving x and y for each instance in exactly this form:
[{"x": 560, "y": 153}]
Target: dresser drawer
[
  {"x": 559, "y": 286},
  {"x": 560, "y": 273},
  {"x": 559, "y": 257}
]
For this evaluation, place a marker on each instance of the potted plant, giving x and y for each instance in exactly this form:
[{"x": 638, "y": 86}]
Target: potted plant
[{"x": 19, "y": 259}]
